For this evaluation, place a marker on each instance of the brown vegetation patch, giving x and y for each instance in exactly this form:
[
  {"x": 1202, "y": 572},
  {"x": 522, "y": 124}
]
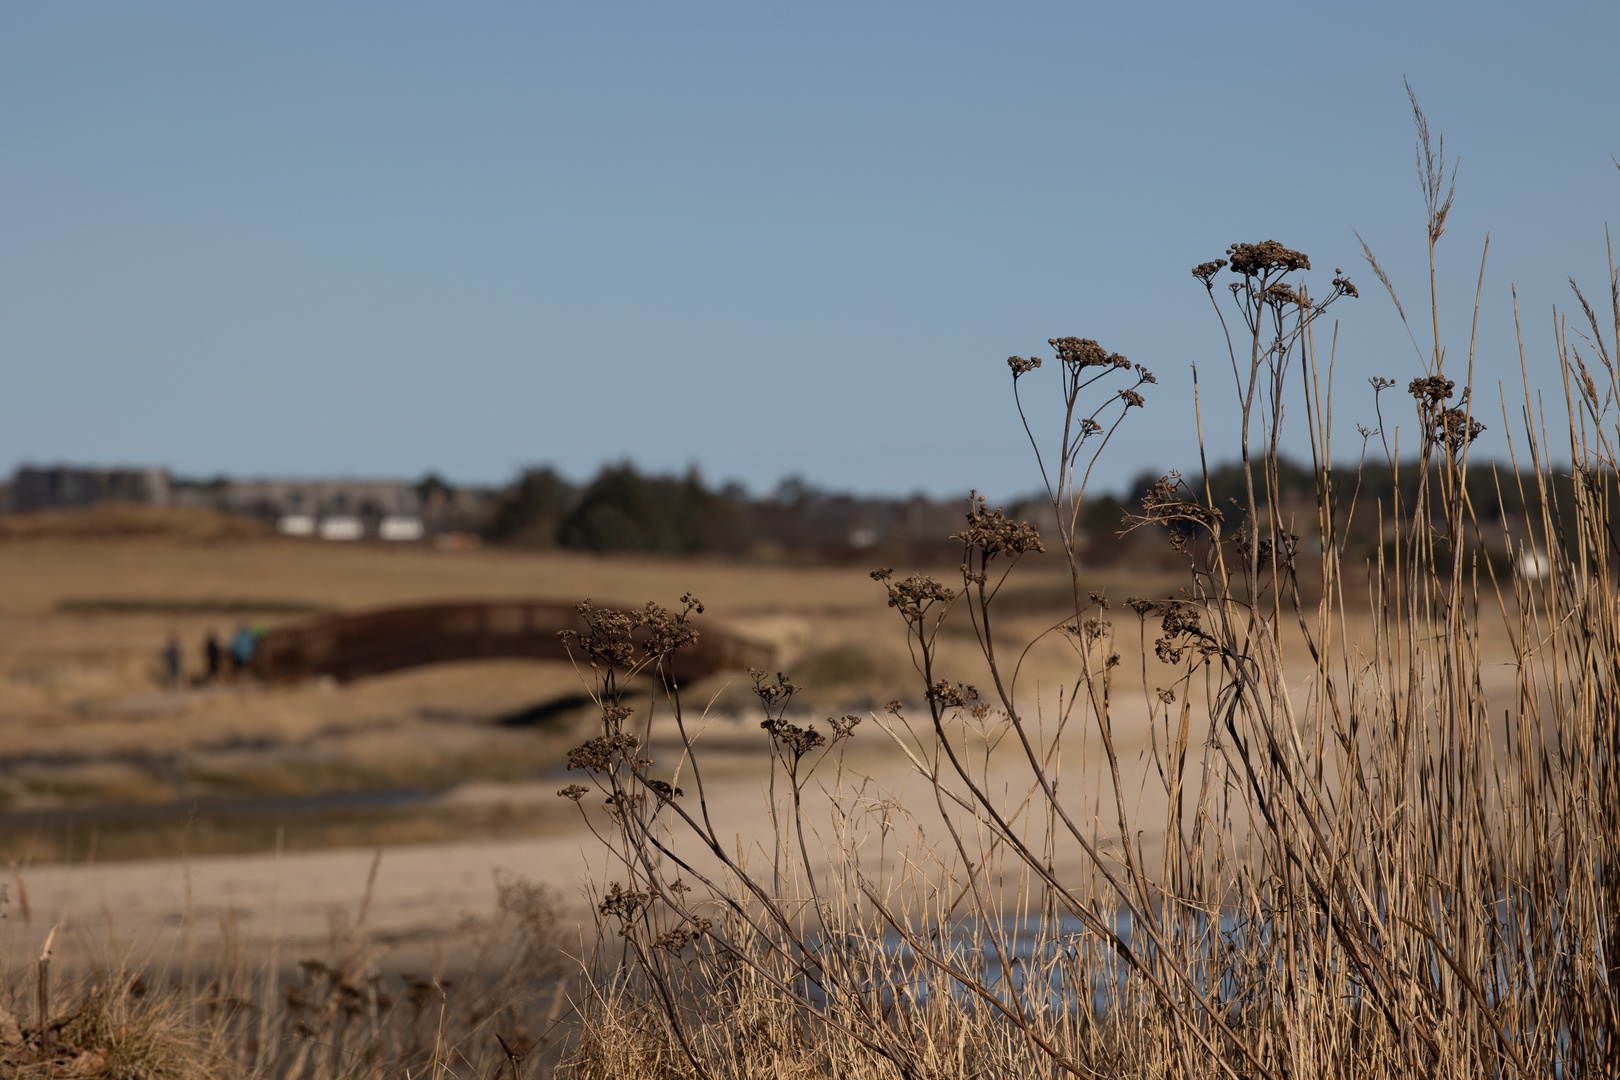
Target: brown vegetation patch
[{"x": 129, "y": 520}]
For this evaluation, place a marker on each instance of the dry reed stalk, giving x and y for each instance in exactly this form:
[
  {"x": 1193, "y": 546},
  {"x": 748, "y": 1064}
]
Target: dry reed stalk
[
  {"x": 343, "y": 1019},
  {"x": 1389, "y": 862}
]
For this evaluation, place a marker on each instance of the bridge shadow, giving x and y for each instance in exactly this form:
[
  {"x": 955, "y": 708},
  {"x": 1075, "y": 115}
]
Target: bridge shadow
[{"x": 554, "y": 713}]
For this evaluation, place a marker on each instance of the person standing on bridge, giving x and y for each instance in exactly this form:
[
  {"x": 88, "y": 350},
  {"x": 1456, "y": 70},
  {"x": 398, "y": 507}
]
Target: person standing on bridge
[
  {"x": 213, "y": 656},
  {"x": 242, "y": 643},
  {"x": 171, "y": 661}
]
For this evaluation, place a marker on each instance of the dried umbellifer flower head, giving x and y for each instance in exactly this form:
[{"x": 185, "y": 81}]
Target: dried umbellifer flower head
[
  {"x": 991, "y": 532},
  {"x": 799, "y": 741},
  {"x": 670, "y": 631},
  {"x": 1164, "y": 504},
  {"x": 622, "y": 902},
  {"x": 956, "y": 696},
  {"x": 915, "y": 594},
  {"x": 1180, "y": 617},
  {"x": 1431, "y": 391},
  {"x": 1283, "y": 293},
  {"x": 1084, "y": 353},
  {"x": 1458, "y": 429},
  {"x": 1266, "y": 257},
  {"x": 775, "y": 694},
  {"x": 597, "y": 754}
]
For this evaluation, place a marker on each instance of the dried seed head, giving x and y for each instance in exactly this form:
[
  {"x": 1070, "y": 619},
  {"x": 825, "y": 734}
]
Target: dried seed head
[
  {"x": 1268, "y": 256},
  {"x": 669, "y": 631},
  {"x": 1164, "y": 504},
  {"x": 677, "y": 939},
  {"x": 597, "y": 755},
  {"x": 1458, "y": 429},
  {"x": 623, "y": 903},
  {"x": 1080, "y": 353},
  {"x": 798, "y": 741},
  {"x": 955, "y": 696},
  {"x": 611, "y": 638},
  {"x": 1180, "y": 618},
  {"x": 1282, "y": 293},
  {"x": 1431, "y": 391},
  {"x": 1021, "y": 366},
  {"x": 913, "y": 596},
  {"x": 989, "y": 532}
]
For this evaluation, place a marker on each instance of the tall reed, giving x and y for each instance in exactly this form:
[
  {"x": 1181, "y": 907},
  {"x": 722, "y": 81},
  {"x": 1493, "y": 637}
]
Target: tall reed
[{"x": 1363, "y": 844}]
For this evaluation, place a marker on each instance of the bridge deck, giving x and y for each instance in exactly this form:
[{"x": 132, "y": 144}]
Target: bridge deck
[{"x": 349, "y": 647}]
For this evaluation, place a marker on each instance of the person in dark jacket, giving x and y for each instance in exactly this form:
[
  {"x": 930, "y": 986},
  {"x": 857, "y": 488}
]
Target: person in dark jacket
[
  {"x": 213, "y": 656},
  {"x": 171, "y": 662}
]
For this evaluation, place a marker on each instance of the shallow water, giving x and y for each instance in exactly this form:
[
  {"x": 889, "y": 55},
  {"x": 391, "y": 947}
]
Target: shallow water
[{"x": 327, "y": 802}]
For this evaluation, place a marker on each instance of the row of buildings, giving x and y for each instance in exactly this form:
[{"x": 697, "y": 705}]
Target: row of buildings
[{"x": 395, "y": 510}]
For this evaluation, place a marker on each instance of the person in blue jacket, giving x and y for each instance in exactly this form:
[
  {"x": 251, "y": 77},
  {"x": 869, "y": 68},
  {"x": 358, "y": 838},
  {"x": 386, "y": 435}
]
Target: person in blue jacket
[{"x": 242, "y": 643}]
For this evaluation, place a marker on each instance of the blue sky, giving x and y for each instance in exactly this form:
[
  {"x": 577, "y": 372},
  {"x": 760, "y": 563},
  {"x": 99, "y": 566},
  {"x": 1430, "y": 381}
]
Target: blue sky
[{"x": 301, "y": 239}]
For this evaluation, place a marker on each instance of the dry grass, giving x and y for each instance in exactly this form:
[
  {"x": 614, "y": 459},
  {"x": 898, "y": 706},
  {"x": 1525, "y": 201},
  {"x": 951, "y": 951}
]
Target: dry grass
[
  {"x": 1386, "y": 842},
  {"x": 339, "y": 1015},
  {"x": 123, "y": 521}
]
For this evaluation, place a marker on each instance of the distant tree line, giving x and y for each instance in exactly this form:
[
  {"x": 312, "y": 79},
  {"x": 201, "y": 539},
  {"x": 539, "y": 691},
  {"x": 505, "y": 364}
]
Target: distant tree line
[
  {"x": 1500, "y": 498},
  {"x": 625, "y": 510}
]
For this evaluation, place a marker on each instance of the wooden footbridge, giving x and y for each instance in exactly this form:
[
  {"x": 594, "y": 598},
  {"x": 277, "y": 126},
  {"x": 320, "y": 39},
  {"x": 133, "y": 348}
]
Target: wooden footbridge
[{"x": 353, "y": 646}]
